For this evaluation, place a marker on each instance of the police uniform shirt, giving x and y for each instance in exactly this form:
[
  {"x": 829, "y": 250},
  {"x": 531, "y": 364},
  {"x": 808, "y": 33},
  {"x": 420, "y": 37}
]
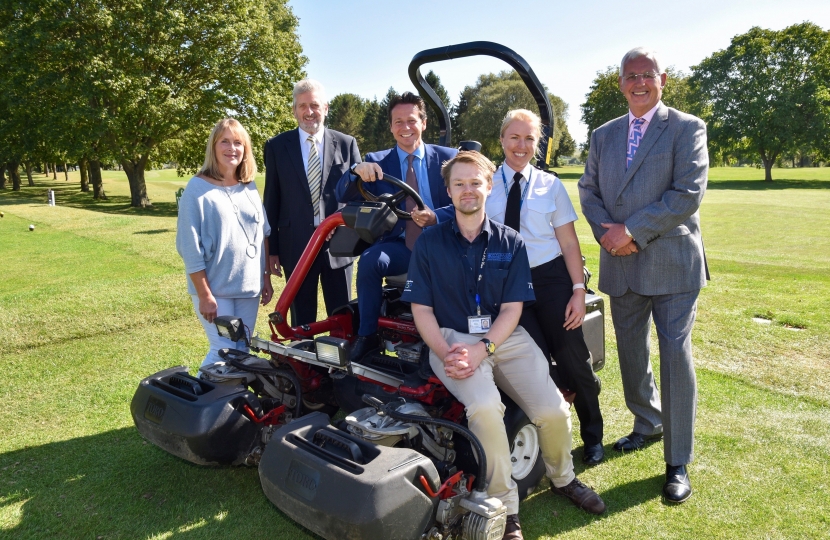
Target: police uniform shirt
[
  {"x": 545, "y": 207},
  {"x": 445, "y": 265}
]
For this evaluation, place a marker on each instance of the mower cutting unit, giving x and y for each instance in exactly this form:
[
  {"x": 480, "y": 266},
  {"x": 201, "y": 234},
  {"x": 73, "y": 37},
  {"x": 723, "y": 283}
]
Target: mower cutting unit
[{"x": 402, "y": 464}]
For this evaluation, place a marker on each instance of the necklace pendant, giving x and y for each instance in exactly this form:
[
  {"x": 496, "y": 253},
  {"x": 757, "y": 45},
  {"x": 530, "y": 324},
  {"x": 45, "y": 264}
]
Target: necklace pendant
[{"x": 250, "y": 251}]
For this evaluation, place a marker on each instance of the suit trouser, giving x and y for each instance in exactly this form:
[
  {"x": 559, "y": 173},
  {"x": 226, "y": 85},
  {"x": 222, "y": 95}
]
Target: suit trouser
[
  {"x": 389, "y": 258},
  {"x": 674, "y": 317},
  {"x": 337, "y": 289},
  {"x": 544, "y": 320},
  {"x": 520, "y": 370}
]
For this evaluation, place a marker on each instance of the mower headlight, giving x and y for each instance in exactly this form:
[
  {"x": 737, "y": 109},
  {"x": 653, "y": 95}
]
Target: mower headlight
[
  {"x": 231, "y": 328},
  {"x": 332, "y": 351}
]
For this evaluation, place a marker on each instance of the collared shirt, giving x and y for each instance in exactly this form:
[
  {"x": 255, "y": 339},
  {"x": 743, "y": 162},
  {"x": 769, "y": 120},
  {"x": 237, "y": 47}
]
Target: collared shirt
[
  {"x": 647, "y": 117},
  {"x": 545, "y": 207},
  {"x": 445, "y": 266},
  {"x": 420, "y": 166},
  {"x": 305, "y": 148}
]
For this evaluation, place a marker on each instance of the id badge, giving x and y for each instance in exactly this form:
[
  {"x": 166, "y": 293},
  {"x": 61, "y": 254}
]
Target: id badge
[{"x": 478, "y": 324}]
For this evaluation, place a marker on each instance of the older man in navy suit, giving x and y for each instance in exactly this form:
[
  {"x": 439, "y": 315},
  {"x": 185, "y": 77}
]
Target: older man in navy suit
[
  {"x": 643, "y": 184},
  {"x": 417, "y": 163},
  {"x": 302, "y": 167}
]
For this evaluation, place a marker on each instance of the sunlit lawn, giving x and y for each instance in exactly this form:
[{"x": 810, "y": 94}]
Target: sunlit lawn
[{"x": 94, "y": 299}]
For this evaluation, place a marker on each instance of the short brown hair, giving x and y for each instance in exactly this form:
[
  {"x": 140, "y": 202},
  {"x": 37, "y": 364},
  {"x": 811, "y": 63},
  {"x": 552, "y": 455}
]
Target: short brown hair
[
  {"x": 484, "y": 165},
  {"x": 408, "y": 98},
  {"x": 246, "y": 170}
]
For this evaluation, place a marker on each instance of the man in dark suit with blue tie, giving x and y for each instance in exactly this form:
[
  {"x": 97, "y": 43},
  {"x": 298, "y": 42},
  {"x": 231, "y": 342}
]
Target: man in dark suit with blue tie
[
  {"x": 417, "y": 163},
  {"x": 302, "y": 167},
  {"x": 643, "y": 184}
]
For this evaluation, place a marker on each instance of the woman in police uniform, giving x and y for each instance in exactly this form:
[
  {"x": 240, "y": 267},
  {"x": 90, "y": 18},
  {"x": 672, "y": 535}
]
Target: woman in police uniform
[{"x": 536, "y": 204}]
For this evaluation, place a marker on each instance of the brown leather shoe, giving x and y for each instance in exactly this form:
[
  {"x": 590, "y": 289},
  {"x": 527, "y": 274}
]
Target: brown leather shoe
[
  {"x": 582, "y": 496},
  {"x": 513, "y": 529}
]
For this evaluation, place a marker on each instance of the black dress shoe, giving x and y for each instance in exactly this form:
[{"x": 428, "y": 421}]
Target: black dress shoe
[
  {"x": 362, "y": 345},
  {"x": 635, "y": 441},
  {"x": 593, "y": 454},
  {"x": 677, "y": 488}
]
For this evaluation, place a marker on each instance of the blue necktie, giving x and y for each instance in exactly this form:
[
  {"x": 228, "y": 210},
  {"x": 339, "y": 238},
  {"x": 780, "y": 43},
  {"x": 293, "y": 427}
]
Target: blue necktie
[{"x": 634, "y": 141}]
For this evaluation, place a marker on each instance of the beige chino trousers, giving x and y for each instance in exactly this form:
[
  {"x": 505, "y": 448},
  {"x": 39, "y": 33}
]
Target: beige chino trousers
[{"x": 520, "y": 370}]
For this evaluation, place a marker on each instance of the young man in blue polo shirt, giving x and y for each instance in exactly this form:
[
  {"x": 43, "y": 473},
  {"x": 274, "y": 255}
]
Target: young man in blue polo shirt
[{"x": 468, "y": 280}]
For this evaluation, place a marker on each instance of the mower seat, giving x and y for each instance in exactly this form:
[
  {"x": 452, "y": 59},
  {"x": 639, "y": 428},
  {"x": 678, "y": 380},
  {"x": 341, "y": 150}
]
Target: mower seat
[{"x": 398, "y": 281}]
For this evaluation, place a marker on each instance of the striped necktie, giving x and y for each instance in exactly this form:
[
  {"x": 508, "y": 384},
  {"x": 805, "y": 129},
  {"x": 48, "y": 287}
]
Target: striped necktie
[
  {"x": 314, "y": 174},
  {"x": 634, "y": 141}
]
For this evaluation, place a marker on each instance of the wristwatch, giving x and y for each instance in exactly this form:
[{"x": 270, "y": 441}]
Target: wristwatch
[
  {"x": 351, "y": 169},
  {"x": 489, "y": 345}
]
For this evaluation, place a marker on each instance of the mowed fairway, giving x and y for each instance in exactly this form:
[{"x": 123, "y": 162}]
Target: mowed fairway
[{"x": 94, "y": 299}]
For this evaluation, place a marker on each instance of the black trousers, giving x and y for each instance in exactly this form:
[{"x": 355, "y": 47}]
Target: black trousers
[
  {"x": 544, "y": 321},
  {"x": 336, "y": 283}
]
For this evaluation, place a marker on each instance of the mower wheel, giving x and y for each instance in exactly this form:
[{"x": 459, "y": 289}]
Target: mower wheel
[{"x": 525, "y": 454}]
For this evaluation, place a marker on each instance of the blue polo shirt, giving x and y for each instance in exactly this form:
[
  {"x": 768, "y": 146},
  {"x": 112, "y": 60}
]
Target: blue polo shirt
[{"x": 445, "y": 266}]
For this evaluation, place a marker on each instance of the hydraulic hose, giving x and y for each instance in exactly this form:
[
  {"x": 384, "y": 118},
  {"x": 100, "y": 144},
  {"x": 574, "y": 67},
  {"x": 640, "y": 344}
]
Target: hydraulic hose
[{"x": 480, "y": 483}]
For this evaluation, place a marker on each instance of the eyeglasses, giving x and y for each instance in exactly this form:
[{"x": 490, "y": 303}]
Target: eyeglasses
[{"x": 631, "y": 77}]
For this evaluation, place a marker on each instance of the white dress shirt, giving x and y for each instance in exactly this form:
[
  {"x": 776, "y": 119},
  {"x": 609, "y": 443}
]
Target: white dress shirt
[
  {"x": 647, "y": 117},
  {"x": 545, "y": 207},
  {"x": 305, "y": 148}
]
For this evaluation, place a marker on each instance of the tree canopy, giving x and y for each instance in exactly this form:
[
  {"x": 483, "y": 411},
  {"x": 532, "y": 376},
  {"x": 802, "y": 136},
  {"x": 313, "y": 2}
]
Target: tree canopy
[
  {"x": 768, "y": 93},
  {"x": 133, "y": 81}
]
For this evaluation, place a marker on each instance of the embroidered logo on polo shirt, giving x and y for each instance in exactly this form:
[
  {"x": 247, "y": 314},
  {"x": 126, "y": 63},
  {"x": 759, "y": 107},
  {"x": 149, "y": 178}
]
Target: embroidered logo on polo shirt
[
  {"x": 408, "y": 285},
  {"x": 530, "y": 285},
  {"x": 501, "y": 257}
]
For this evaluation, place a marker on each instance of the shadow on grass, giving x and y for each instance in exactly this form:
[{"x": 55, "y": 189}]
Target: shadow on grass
[
  {"x": 69, "y": 194},
  {"x": 761, "y": 185},
  {"x": 114, "y": 485}
]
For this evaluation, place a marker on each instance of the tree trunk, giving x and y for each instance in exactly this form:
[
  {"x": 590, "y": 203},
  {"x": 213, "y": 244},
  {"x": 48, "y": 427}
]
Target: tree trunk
[
  {"x": 138, "y": 188},
  {"x": 2, "y": 176},
  {"x": 54, "y": 171},
  {"x": 28, "y": 167},
  {"x": 65, "y": 173},
  {"x": 14, "y": 175},
  {"x": 97, "y": 181},
  {"x": 83, "y": 166}
]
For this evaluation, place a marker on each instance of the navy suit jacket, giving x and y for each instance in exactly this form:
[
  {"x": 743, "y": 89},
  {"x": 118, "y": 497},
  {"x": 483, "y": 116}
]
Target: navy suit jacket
[
  {"x": 435, "y": 157},
  {"x": 287, "y": 195}
]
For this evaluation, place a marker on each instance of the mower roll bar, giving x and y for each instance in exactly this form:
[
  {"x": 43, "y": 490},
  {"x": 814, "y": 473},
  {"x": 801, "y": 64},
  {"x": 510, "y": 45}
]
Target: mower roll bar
[{"x": 483, "y": 48}]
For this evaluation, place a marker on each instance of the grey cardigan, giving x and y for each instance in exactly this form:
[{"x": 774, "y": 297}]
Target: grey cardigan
[{"x": 222, "y": 231}]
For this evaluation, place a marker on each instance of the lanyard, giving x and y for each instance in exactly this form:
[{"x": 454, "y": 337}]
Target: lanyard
[
  {"x": 478, "y": 279},
  {"x": 524, "y": 191}
]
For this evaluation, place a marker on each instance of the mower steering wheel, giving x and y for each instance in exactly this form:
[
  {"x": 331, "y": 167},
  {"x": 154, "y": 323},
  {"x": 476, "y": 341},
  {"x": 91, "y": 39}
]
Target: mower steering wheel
[{"x": 393, "y": 199}]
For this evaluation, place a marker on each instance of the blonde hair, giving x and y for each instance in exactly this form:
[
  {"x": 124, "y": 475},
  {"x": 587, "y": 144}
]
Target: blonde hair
[
  {"x": 246, "y": 170},
  {"x": 484, "y": 165},
  {"x": 526, "y": 116}
]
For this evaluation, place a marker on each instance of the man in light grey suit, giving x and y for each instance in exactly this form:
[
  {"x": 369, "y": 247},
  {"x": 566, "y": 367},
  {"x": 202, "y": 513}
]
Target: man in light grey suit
[{"x": 641, "y": 191}]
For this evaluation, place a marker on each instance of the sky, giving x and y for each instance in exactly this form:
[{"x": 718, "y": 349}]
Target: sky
[{"x": 365, "y": 46}]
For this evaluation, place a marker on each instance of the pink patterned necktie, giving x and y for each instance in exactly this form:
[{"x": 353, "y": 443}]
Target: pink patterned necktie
[
  {"x": 634, "y": 141},
  {"x": 413, "y": 231}
]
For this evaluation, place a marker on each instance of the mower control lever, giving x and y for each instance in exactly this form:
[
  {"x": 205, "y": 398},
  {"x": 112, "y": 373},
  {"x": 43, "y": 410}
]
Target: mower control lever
[{"x": 372, "y": 401}]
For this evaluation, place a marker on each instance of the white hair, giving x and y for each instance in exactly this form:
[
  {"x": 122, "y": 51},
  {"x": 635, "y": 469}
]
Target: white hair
[
  {"x": 637, "y": 52},
  {"x": 308, "y": 85}
]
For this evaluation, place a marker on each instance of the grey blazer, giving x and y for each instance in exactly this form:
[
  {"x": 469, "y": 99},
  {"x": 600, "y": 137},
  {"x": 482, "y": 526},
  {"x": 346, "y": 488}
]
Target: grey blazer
[{"x": 657, "y": 199}]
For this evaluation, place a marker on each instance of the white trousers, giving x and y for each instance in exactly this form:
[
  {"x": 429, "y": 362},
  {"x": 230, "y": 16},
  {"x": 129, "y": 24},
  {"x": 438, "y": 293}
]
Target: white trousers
[{"x": 244, "y": 308}]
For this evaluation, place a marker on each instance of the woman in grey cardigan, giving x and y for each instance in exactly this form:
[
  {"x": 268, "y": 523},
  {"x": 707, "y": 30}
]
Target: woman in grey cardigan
[{"x": 221, "y": 236}]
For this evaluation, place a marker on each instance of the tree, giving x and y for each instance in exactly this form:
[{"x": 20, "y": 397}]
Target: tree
[
  {"x": 346, "y": 113},
  {"x": 139, "y": 80},
  {"x": 768, "y": 92},
  {"x": 490, "y": 99},
  {"x": 566, "y": 147},
  {"x": 375, "y": 129},
  {"x": 604, "y": 101}
]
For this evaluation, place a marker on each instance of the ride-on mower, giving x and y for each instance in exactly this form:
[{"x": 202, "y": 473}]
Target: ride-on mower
[{"x": 401, "y": 464}]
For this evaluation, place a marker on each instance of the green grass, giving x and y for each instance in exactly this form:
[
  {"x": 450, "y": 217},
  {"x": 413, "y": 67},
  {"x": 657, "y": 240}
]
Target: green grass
[{"x": 94, "y": 300}]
